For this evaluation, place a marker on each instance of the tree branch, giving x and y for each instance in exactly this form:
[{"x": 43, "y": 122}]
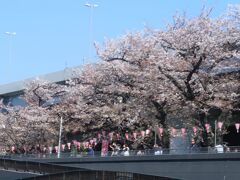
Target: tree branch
[
  {"x": 189, "y": 93},
  {"x": 172, "y": 79}
]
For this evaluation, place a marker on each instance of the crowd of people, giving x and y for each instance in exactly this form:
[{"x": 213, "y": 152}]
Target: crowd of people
[
  {"x": 113, "y": 147},
  {"x": 103, "y": 146}
]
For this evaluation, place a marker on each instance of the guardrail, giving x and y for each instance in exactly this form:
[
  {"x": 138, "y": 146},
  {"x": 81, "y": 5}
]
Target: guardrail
[
  {"x": 146, "y": 152},
  {"x": 34, "y": 163}
]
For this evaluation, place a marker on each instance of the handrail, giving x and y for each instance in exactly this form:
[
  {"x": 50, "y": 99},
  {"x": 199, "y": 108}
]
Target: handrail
[{"x": 146, "y": 152}]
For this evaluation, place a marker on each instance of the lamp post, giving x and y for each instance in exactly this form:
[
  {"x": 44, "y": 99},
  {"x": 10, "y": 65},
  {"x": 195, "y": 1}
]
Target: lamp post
[
  {"x": 215, "y": 133},
  {"x": 155, "y": 134},
  {"x": 10, "y": 35},
  {"x": 60, "y": 138},
  {"x": 91, "y": 6}
]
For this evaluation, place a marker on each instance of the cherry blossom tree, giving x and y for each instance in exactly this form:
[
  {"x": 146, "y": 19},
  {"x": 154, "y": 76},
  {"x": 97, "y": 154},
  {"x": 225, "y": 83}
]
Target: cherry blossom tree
[
  {"x": 186, "y": 61},
  {"x": 155, "y": 78},
  {"x": 32, "y": 125}
]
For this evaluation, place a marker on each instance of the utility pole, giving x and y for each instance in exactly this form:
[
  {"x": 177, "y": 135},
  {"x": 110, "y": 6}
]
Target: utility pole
[{"x": 215, "y": 133}]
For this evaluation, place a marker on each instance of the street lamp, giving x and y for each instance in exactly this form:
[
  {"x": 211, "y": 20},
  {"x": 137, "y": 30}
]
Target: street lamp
[
  {"x": 10, "y": 35},
  {"x": 91, "y": 6},
  {"x": 60, "y": 138}
]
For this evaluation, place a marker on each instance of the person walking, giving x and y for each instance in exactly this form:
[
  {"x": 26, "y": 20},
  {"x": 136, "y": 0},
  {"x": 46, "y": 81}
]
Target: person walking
[{"x": 126, "y": 150}]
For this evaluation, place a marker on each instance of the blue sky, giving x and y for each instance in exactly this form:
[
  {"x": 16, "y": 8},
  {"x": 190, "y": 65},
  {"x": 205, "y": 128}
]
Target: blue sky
[{"x": 53, "y": 34}]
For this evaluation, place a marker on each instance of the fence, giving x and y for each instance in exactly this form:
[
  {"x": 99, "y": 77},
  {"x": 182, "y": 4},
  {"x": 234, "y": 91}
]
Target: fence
[{"x": 146, "y": 152}]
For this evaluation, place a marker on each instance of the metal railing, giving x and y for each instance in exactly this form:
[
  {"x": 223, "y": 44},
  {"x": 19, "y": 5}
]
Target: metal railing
[
  {"x": 146, "y": 152},
  {"x": 26, "y": 163}
]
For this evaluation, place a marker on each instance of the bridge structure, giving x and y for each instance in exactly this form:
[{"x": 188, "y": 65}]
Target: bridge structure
[
  {"x": 218, "y": 166},
  {"x": 194, "y": 166}
]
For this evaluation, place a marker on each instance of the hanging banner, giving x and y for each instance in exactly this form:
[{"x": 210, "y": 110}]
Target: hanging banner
[{"x": 104, "y": 150}]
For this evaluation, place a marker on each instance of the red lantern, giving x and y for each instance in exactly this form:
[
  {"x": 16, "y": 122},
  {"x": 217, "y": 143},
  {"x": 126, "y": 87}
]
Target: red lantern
[
  {"x": 12, "y": 148},
  {"x": 173, "y": 130},
  {"x": 143, "y": 133},
  {"x": 135, "y": 135},
  {"x": 63, "y": 146},
  {"x": 237, "y": 125},
  {"x": 91, "y": 141},
  {"x": 219, "y": 125},
  {"x": 194, "y": 130},
  {"x": 207, "y": 126},
  {"x": 147, "y": 132},
  {"x": 50, "y": 149},
  {"x": 118, "y": 136},
  {"x": 183, "y": 131},
  {"x": 75, "y": 142},
  {"x": 160, "y": 131},
  {"x": 126, "y": 136},
  {"x": 69, "y": 145}
]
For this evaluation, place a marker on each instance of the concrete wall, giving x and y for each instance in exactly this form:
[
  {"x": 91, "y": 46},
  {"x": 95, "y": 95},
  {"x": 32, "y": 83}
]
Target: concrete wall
[{"x": 190, "y": 166}]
